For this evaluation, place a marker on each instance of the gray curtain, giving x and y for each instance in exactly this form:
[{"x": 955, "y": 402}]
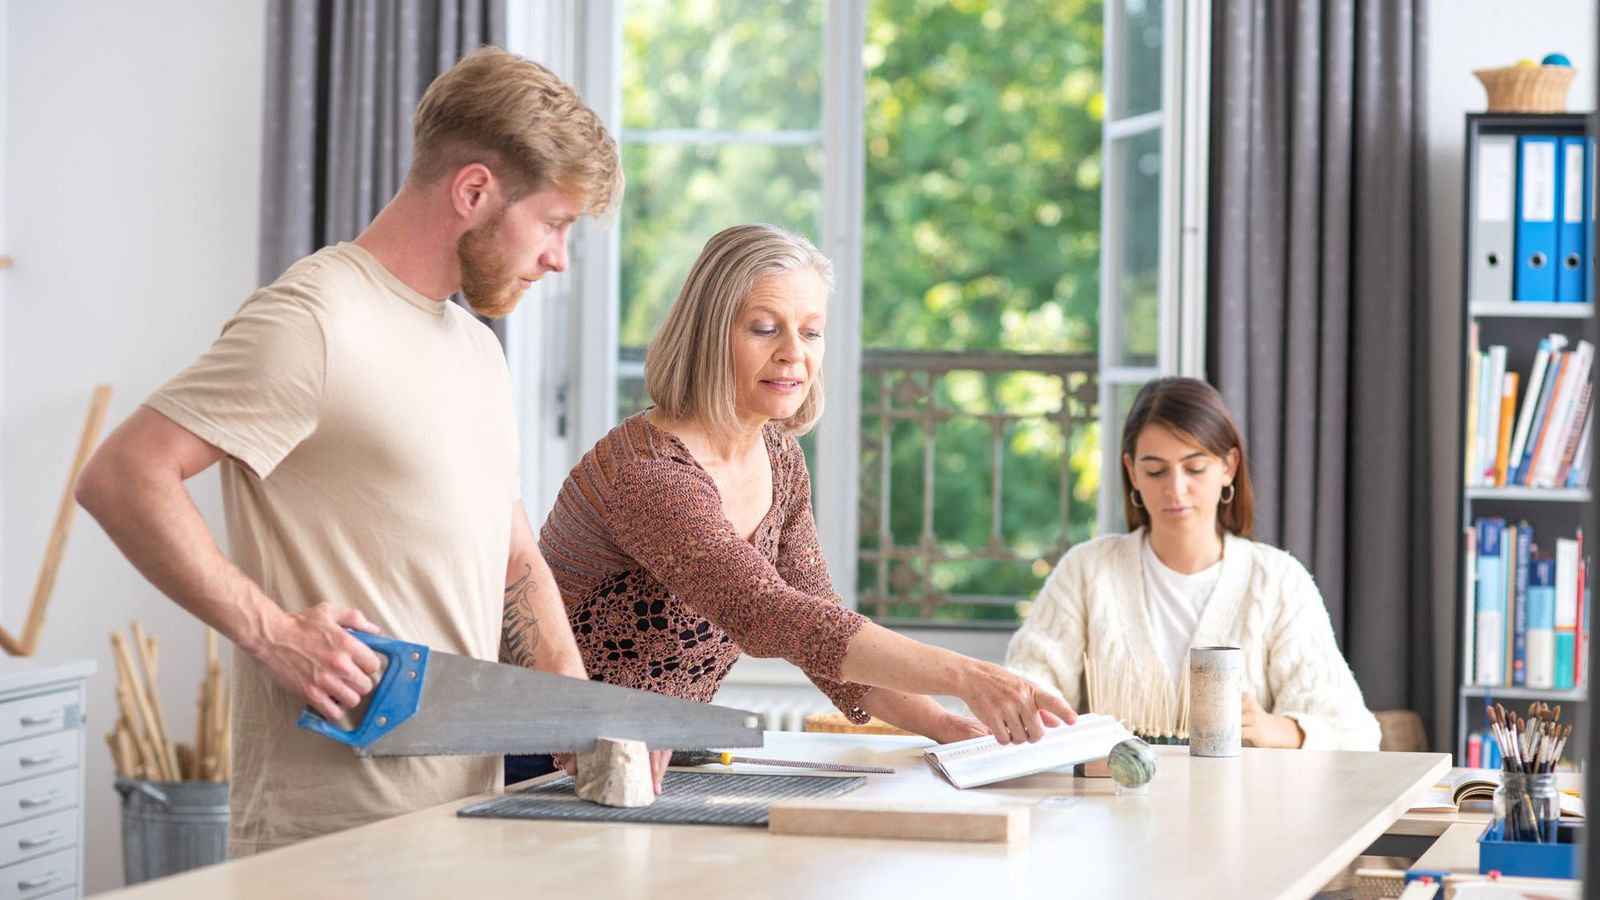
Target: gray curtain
[
  {"x": 343, "y": 78},
  {"x": 1317, "y": 312}
]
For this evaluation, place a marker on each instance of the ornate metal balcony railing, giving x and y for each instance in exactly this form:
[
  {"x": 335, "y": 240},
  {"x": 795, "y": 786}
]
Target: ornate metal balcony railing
[{"x": 925, "y": 556}]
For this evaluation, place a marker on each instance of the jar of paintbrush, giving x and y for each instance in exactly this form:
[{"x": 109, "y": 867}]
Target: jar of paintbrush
[{"x": 1527, "y": 806}]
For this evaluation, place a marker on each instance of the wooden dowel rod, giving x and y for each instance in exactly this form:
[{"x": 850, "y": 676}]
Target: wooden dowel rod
[
  {"x": 161, "y": 737},
  {"x": 141, "y": 699},
  {"x": 25, "y": 644}
]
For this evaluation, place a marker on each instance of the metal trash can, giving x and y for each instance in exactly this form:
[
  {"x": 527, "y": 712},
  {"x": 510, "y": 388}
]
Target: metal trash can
[{"x": 171, "y": 826}]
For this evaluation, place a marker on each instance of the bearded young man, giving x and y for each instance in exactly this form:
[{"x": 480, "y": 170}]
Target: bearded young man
[{"x": 369, "y": 454}]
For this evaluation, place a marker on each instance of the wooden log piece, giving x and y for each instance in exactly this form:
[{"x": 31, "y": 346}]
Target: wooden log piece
[
  {"x": 898, "y": 821},
  {"x": 616, "y": 773}
]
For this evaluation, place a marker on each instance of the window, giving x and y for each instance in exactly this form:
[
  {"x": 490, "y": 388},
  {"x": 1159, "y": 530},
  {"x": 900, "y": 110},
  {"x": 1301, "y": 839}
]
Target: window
[
  {"x": 1152, "y": 275},
  {"x": 980, "y": 302},
  {"x": 991, "y": 180},
  {"x": 721, "y": 124}
]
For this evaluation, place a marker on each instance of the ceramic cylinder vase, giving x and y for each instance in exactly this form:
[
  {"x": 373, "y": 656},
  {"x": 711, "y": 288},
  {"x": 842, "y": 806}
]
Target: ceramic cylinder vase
[{"x": 1215, "y": 681}]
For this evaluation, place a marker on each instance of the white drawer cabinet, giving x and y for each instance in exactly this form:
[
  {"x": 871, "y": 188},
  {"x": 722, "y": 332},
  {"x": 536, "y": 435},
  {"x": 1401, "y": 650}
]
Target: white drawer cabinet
[
  {"x": 44, "y": 875},
  {"x": 41, "y": 779},
  {"x": 39, "y": 796},
  {"x": 42, "y": 714}
]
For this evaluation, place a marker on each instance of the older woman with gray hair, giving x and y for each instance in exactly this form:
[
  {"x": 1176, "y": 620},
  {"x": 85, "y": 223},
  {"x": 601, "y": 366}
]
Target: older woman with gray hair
[{"x": 685, "y": 537}]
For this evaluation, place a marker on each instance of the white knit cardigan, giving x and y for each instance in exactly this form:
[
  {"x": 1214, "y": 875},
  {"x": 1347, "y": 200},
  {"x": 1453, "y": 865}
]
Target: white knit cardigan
[{"x": 1264, "y": 602}]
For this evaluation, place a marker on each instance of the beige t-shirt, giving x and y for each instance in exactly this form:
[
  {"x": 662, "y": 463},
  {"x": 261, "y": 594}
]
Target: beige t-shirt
[{"x": 373, "y": 464}]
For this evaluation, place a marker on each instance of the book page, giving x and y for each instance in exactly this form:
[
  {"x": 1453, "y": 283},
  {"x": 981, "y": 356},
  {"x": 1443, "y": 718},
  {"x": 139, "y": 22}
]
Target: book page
[{"x": 1476, "y": 787}]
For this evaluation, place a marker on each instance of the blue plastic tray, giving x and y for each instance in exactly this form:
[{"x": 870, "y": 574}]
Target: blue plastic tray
[{"x": 1521, "y": 858}]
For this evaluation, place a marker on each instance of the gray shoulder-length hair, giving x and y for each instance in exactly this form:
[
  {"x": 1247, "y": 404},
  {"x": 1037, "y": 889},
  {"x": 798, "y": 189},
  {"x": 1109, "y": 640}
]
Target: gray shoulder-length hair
[{"x": 688, "y": 370}]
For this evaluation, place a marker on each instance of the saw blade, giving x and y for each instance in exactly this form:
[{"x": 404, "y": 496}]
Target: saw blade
[
  {"x": 428, "y": 703},
  {"x": 469, "y": 706}
]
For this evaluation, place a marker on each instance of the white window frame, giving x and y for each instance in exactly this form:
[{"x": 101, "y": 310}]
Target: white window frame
[
  {"x": 1183, "y": 123},
  {"x": 836, "y": 495},
  {"x": 565, "y": 388}
]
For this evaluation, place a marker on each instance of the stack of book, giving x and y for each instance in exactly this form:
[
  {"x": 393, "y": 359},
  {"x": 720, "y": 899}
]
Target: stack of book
[
  {"x": 1544, "y": 441},
  {"x": 1527, "y": 619}
]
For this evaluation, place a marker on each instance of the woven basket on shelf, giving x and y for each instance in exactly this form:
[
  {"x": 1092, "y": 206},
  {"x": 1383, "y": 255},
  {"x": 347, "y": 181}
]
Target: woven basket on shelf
[{"x": 1527, "y": 88}]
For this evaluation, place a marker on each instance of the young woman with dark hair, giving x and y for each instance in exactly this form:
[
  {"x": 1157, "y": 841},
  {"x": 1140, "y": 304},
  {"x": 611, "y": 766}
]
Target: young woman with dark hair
[{"x": 1188, "y": 574}]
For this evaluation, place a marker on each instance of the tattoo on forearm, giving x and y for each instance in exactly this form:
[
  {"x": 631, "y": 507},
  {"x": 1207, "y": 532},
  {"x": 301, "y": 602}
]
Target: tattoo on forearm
[{"x": 519, "y": 631}]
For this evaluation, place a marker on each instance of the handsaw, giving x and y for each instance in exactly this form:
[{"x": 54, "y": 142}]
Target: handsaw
[{"x": 431, "y": 703}]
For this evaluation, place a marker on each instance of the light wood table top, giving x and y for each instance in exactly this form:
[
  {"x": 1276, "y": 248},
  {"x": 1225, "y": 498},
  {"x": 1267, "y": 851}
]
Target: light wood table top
[
  {"x": 1455, "y": 851},
  {"x": 1267, "y": 824}
]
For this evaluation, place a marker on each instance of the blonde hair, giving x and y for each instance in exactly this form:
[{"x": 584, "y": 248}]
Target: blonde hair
[
  {"x": 688, "y": 370},
  {"x": 528, "y": 126}
]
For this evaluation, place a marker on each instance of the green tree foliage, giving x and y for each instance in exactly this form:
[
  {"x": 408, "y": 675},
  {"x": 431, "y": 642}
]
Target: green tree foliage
[{"x": 983, "y": 174}]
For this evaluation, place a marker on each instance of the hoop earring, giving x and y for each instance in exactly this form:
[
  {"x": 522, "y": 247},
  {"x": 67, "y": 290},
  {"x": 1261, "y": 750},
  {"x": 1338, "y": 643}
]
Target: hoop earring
[
  {"x": 1135, "y": 499},
  {"x": 1229, "y": 498}
]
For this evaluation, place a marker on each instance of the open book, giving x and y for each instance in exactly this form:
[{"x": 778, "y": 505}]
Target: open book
[
  {"x": 982, "y": 761},
  {"x": 1477, "y": 785}
]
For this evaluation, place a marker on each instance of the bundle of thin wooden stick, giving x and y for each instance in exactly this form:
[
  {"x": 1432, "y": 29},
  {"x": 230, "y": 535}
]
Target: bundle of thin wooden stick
[
  {"x": 1141, "y": 701},
  {"x": 140, "y": 743}
]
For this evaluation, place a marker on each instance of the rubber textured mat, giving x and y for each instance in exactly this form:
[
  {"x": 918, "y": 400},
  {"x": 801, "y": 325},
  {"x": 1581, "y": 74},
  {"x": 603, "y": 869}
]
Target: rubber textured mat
[{"x": 687, "y": 798}]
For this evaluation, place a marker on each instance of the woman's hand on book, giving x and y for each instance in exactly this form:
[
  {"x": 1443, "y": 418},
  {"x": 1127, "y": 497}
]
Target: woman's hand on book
[
  {"x": 1013, "y": 708},
  {"x": 955, "y": 728},
  {"x": 1259, "y": 728}
]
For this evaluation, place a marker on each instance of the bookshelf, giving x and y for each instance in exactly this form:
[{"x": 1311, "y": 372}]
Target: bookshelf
[{"x": 1552, "y": 511}]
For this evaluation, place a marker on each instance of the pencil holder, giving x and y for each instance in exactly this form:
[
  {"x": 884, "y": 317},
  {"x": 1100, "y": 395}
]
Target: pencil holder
[
  {"x": 1215, "y": 677},
  {"x": 1527, "y": 807}
]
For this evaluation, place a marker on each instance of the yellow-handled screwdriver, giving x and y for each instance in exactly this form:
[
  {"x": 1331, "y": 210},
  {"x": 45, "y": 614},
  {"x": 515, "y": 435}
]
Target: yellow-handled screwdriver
[{"x": 723, "y": 757}]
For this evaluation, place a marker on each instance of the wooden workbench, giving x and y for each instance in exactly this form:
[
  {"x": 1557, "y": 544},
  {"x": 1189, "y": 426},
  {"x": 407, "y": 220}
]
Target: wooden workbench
[{"x": 1267, "y": 824}]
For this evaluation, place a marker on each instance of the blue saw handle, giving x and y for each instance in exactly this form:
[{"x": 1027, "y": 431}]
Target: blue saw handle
[{"x": 394, "y": 700}]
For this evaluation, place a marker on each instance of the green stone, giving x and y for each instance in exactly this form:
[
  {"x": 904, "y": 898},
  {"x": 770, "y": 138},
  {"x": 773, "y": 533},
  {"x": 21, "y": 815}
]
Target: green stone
[{"x": 1132, "y": 763}]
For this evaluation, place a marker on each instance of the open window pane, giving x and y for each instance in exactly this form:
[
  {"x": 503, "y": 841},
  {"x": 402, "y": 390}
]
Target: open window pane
[
  {"x": 722, "y": 65},
  {"x": 980, "y": 457},
  {"x": 1136, "y": 62},
  {"x": 1135, "y": 263}
]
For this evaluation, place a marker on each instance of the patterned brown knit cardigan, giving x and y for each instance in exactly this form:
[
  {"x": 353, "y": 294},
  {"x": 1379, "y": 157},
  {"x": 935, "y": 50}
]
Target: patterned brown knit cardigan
[{"x": 662, "y": 593}]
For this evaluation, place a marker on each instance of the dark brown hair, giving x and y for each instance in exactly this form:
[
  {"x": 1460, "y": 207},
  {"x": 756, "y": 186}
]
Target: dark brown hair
[{"x": 1194, "y": 411}]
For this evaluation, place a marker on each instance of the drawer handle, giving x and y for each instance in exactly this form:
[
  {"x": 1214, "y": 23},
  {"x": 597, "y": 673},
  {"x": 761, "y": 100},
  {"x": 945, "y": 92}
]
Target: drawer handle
[
  {"x": 42, "y": 720},
  {"x": 28, "y": 884},
  {"x": 44, "y": 799},
  {"x": 41, "y": 759},
  {"x": 48, "y": 837}
]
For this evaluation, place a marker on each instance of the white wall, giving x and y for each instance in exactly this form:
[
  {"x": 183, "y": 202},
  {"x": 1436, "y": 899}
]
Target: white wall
[
  {"x": 130, "y": 185},
  {"x": 1464, "y": 35}
]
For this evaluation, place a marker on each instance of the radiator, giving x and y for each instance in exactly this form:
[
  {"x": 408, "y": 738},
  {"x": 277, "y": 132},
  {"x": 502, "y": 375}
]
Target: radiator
[{"x": 781, "y": 707}]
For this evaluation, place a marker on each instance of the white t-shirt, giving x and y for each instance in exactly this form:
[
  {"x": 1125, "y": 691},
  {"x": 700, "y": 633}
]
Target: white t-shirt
[{"x": 1174, "y": 601}]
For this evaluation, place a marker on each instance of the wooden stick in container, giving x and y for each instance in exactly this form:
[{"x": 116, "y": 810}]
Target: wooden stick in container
[
  {"x": 141, "y": 699},
  {"x": 161, "y": 739}
]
